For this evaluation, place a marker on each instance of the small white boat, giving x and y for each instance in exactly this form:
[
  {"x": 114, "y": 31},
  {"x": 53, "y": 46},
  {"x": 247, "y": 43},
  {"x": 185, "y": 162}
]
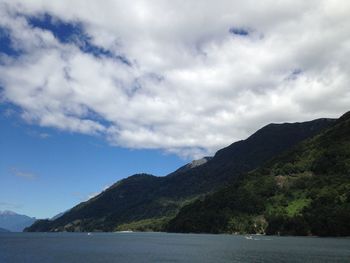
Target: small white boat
[
  {"x": 89, "y": 234},
  {"x": 249, "y": 237}
]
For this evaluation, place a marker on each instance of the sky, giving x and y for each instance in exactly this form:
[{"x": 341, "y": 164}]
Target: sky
[{"x": 92, "y": 92}]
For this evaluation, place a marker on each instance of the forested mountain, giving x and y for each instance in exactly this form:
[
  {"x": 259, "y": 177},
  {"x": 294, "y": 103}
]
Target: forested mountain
[
  {"x": 147, "y": 202},
  {"x": 304, "y": 191}
]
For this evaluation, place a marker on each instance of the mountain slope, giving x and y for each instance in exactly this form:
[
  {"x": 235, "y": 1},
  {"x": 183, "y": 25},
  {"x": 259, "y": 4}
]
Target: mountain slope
[
  {"x": 304, "y": 191},
  {"x": 148, "y": 201},
  {"x": 14, "y": 222}
]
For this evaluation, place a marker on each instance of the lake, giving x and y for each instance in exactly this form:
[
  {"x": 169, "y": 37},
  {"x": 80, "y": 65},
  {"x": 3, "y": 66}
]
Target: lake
[{"x": 163, "y": 247}]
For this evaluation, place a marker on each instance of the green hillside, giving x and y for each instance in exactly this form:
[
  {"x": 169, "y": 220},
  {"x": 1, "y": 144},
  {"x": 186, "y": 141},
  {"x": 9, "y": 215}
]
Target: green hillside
[
  {"x": 304, "y": 191},
  {"x": 146, "y": 202}
]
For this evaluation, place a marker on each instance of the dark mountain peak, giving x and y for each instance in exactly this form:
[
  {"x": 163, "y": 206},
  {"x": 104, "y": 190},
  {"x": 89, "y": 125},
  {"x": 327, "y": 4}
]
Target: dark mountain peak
[
  {"x": 272, "y": 139},
  {"x": 140, "y": 176},
  {"x": 302, "y": 191},
  {"x": 144, "y": 197},
  {"x": 199, "y": 162},
  {"x": 344, "y": 117},
  {"x": 292, "y": 126},
  {"x": 136, "y": 178},
  {"x": 191, "y": 165}
]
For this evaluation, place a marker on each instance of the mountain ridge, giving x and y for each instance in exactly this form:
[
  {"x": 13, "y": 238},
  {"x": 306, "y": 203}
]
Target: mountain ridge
[
  {"x": 303, "y": 191},
  {"x": 158, "y": 199}
]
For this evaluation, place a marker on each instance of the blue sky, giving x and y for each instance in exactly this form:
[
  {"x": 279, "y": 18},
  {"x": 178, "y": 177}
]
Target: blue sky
[
  {"x": 45, "y": 171},
  {"x": 91, "y": 93}
]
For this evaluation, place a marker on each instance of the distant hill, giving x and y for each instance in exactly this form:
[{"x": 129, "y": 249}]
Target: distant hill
[
  {"x": 147, "y": 202},
  {"x": 15, "y": 222},
  {"x": 3, "y": 230},
  {"x": 304, "y": 191}
]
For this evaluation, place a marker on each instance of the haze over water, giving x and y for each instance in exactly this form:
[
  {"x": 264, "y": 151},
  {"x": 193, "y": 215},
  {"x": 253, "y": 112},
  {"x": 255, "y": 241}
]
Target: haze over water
[{"x": 162, "y": 247}]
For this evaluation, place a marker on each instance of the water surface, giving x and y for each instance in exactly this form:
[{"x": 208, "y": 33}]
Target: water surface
[{"x": 162, "y": 247}]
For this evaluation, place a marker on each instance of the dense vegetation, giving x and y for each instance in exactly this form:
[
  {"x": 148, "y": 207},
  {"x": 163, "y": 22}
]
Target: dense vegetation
[
  {"x": 145, "y": 202},
  {"x": 304, "y": 191}
]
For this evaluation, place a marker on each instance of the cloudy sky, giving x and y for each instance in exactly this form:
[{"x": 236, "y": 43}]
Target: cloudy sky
[{"x": 173, "y": 79}]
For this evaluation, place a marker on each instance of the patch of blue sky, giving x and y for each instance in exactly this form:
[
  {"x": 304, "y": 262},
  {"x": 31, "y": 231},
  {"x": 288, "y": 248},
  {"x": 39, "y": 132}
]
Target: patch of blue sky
[
  {"x": 64, "y": 163},
  {"x": 239, "y": 31},
  {"x": 6, "y": 45},
  {"x": 73, "y": 33}
]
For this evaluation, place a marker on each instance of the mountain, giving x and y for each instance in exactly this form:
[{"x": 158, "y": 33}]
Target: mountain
[
  {"x": 193, "y": 164},
  {"x": 147, "y": 202},
  {"x": 303, "y": 191},
  {"x": 58, "y": 215},
  {"x": 14, "y": 222},
  {"x": 3, "y": 230}
]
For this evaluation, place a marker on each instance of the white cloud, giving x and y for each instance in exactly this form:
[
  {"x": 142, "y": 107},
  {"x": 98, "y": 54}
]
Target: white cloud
[
  {"x": 23, "y": 174},
  {"x": 193, "y": 87}
]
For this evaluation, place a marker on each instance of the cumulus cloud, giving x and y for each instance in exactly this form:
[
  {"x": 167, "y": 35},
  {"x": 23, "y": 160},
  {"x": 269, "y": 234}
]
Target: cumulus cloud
[{"x": 188, "y": 77}]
